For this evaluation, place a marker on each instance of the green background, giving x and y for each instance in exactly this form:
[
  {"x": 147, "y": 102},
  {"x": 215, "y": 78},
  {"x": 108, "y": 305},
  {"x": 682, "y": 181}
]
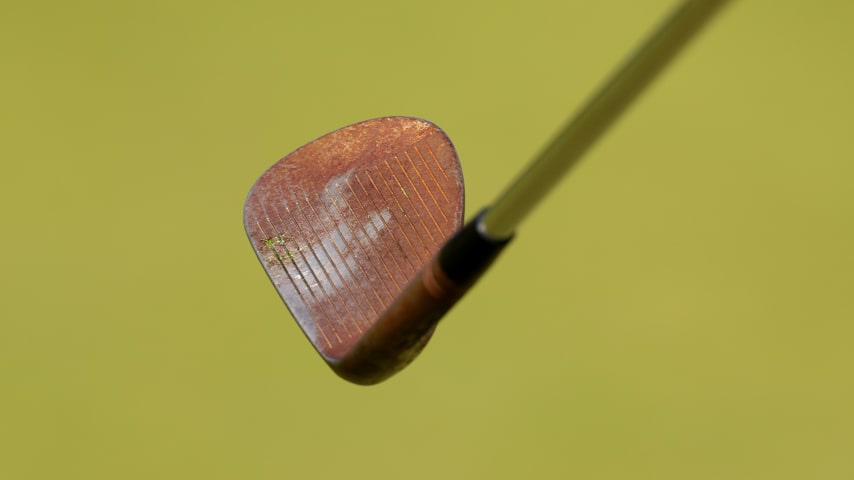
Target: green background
[{"x": 681, "y": 307}]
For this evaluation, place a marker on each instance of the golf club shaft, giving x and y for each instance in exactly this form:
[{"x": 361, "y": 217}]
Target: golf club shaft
[{"x": 515, "y": 203}]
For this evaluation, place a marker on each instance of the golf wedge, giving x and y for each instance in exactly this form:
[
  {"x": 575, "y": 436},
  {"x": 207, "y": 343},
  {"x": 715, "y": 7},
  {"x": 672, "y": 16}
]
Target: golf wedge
[{"x": 361, "y": 230}]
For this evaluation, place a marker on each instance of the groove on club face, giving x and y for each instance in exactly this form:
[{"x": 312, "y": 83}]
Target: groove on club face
[{"x": 342, "y": 224}]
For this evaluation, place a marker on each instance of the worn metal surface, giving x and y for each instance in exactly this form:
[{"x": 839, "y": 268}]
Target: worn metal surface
[{"x": 342, "y": 224}]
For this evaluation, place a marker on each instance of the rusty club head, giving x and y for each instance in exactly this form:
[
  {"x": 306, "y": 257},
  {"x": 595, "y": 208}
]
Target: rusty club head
[
  {"x": 348, "y": 228},
  {"x": 359, "y": 230}
]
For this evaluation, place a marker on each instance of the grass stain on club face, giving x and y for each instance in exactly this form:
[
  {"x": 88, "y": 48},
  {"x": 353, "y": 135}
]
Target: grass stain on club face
[{"x": 281, "y": 257}]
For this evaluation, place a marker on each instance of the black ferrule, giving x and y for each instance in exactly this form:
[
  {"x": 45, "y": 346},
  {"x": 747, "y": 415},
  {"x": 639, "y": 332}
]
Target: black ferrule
[{"x": 468, "y": 253}]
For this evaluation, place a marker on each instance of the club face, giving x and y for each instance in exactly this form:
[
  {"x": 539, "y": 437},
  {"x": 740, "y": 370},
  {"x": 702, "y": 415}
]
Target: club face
[{"x": 342, "y": 224}]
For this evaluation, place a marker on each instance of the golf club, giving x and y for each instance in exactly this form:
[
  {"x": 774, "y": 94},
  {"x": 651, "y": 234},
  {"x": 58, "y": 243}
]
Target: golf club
[{"x": 361, "y": 230}]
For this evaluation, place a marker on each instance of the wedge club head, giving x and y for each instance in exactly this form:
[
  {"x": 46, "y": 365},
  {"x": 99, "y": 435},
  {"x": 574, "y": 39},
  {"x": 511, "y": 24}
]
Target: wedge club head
[{"x": 344, "y": 224}]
